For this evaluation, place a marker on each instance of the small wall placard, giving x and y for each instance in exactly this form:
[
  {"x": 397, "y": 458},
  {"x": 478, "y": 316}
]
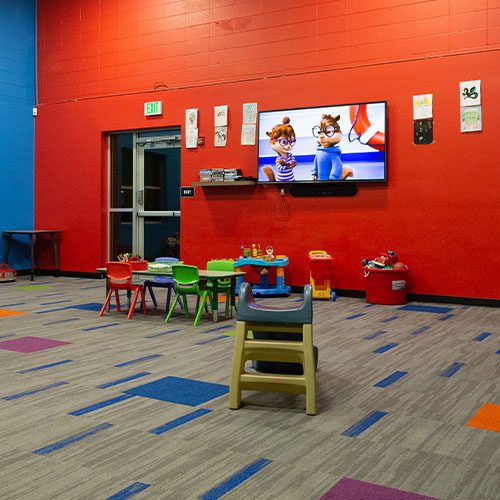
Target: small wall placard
[{"x": 187, "y": 192}]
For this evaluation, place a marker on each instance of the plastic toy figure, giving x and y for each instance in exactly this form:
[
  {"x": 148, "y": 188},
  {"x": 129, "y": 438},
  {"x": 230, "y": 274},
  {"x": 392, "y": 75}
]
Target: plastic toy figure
[
  {"x": 327, "y": 163},
  {"x": 282, "y": 139}
]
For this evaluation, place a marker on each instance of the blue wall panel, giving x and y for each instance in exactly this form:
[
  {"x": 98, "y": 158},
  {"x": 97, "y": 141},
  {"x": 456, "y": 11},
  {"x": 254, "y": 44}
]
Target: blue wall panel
[{"x": 17, "y": 98}]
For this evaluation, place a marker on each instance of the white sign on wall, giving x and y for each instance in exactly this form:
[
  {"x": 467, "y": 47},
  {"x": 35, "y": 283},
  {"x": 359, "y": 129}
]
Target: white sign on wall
[
  {"x": 470, "y": 93},
  {"x": 422, "y": 106}
]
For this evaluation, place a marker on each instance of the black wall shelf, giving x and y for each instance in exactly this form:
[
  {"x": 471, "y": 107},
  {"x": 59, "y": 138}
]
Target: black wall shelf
[
  {"x": 299, "y": 190},
  {"x": 225, "y": 184}
]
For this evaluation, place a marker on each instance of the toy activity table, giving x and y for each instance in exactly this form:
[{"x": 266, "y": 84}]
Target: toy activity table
[
  {"x": 264, "y": 288},
  {"x": 34, "y": 236}
]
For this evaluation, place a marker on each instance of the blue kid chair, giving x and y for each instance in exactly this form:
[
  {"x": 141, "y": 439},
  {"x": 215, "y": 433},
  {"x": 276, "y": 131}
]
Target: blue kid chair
[{"x": 162, "y": 282}]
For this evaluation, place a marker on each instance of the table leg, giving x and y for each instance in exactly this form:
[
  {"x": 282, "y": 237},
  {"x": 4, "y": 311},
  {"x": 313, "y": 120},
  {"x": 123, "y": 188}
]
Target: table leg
[
  {"x": 8, "y": 238},
  {"x": 239, "y": 280},
  {"x": 56, "y": 253},
  {"x": 233, "y": 296},
  {"x": 215, "y": 300},
  {"x": 32, "y": 254}
]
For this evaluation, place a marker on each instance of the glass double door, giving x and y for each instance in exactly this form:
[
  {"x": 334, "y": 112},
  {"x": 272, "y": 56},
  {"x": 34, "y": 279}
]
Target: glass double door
[{"x": 144, "y": 211}]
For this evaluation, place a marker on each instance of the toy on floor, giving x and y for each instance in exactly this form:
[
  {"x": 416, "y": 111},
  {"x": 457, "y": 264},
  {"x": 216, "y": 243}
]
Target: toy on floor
[
  {"x": 320, "y": 275},
  {"x": 7, "y": 274},
  {"x": 261, "y": 263}
]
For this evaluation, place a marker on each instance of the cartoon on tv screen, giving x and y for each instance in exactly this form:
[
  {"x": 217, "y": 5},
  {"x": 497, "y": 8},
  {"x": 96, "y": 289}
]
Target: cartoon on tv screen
[{"x": 328, "y": 143}]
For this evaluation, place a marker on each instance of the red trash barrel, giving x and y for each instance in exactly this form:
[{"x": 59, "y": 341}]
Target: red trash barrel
[{"x": 386, "y": 286}]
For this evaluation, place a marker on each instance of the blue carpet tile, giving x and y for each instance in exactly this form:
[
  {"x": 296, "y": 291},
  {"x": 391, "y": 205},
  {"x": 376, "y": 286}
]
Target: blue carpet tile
[
  {"x": 178, "y": 390},
  {"x": 451, "y": 370},
  {"x": 179, "y": 421},
  {"x": 236, "y": 479},
  {"x": 129, "y": 491},
  {"x": 361, "y": 426},
  {"x": 390, "y": 379},
  {"x": 72, "y": 439},
  {"x": 428, "y": 309}
]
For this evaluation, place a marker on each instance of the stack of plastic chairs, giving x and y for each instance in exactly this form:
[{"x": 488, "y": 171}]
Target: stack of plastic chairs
[{"x": 162, "y": 282}]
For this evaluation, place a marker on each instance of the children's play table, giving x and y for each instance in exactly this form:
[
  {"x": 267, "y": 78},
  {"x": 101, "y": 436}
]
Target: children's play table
[{"x": 264, "y": 288}]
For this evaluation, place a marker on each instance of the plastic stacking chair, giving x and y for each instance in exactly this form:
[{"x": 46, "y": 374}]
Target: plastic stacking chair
[
  {"x": 119, "y": 275},
  {"x": 162, "y": 282},
  {"x": 263, "y": 318},
  {"x": 187, "y": 282},
  {"x": 223, "y": 285}
]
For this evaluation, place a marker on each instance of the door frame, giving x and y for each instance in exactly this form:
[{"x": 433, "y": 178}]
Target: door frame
[{"x": 170, "y": 137}]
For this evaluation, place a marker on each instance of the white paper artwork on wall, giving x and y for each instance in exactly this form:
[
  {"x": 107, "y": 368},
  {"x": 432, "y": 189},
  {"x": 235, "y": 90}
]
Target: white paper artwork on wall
[
  {"x": 191, "y": 131},
  {"x": 470, "y": 93},
  {"x": 250, "y": 112},
  {"x": 471, "y": 119},
  {"x": 248, "y": 134},
  {"x": 422, "y": 106},
  {"x": 192, "y": 118},
  {"x": 220, "y": 116},
  {"x": 220, "y": 136},
  {"x": 191, "y": 138}
]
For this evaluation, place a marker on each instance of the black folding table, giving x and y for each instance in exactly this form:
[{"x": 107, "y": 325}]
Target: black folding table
[{"x": 34, "y": 234}]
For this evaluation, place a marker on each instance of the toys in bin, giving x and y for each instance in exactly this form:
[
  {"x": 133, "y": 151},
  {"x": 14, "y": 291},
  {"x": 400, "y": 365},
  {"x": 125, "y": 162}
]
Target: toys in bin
[
  {"x": 385, "y": 260},
  {"x": 7, "y": 274},
  {"x": 134, "y": 260},
  {"x": 385, "y": 279},
  {"x": 129, "y": 257},
  {"x": 320, "y": 275}
]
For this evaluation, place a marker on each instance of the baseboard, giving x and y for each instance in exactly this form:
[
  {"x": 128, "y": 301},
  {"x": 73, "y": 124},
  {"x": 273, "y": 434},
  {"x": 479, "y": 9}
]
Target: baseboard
[
  {"x": 67, "y": 274},
  {"x": 418, "y": 297},
  {"x": 356, "y": 294},
  {"x": 469, "y": 301}
]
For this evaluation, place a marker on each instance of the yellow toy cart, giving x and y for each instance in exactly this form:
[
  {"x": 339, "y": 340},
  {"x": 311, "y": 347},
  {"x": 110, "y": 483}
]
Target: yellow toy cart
[{"x": 320, "y": 275}]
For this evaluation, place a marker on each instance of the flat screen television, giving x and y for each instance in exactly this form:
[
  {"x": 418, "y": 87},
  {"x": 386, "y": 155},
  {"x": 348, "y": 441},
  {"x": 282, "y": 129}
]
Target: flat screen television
[{"x": 332, "y": 144}]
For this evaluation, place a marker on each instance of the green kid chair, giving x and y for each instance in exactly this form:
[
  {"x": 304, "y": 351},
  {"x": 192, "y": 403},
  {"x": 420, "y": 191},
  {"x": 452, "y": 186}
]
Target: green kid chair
[
  {"x": 223, "y": 285},
  {"x": 187, "y": 282}
]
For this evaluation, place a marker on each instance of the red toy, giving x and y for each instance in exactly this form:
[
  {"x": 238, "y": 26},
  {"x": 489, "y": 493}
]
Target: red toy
[
  {"x": 320, "y": 275},
  {"x": 7, "y": 274}
]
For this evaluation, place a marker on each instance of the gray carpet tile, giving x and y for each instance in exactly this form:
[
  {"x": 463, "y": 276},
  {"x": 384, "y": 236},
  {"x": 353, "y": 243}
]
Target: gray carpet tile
[{"x": 68, "y": 430}]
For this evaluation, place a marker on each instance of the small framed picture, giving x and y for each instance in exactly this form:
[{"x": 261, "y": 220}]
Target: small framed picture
[
  {"x": 248, "y": 131},
  {"x": 423, "y": 132},
  {"x": 220, "y": 136},
  {"x": 471, "y": 119},
  {"x": 220, "y": 116}
]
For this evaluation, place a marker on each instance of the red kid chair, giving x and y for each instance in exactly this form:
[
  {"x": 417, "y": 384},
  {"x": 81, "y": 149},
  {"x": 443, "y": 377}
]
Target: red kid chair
[{"x": 119, "y": 275}]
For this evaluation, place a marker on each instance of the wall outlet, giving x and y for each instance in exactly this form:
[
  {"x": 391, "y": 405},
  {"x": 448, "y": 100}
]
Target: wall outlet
[{"x": 35, "y": 111}]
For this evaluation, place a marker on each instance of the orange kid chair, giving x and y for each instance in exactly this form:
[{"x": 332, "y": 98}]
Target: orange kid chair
[{"x": 119, "y": 275}]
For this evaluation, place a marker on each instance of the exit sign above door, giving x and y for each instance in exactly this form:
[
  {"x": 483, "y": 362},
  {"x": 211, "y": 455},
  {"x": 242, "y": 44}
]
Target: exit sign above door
[{"x": 153, "y": 108}]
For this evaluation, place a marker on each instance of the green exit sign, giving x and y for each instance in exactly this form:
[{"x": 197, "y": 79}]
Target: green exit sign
[{"x": 153, "y": 108}]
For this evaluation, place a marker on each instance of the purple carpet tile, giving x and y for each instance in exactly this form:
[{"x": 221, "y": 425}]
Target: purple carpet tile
[
  {"x": 30, "y": 344},
  {"x": 352, "y": 489}
]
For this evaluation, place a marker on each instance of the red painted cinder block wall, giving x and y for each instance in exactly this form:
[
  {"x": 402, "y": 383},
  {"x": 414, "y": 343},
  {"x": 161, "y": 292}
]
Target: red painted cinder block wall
[{"x": 98, "y": 62}]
